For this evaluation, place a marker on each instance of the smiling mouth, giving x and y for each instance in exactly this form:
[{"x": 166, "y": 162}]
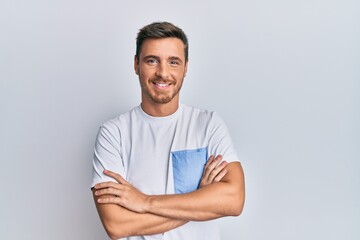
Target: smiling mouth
[{"x": 162, "y": 85}]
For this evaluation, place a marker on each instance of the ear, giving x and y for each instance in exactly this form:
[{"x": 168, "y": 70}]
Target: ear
[
  {"x": 186, "y": 67},
  {"x": 136, "y": 65}
]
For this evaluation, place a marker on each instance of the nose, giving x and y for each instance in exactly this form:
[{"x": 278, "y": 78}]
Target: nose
[{"x": 163, "y": 71}]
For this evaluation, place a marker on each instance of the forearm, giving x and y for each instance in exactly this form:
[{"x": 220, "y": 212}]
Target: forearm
[
  {"x": 225, "y": 198},
  {"x": 120, "y": 222},
  {"x": 135, "y": 213}
]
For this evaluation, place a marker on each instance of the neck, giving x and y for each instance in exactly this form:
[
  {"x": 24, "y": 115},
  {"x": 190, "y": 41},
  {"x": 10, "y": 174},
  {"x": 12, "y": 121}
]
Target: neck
[{"x": 160, "y": 109}]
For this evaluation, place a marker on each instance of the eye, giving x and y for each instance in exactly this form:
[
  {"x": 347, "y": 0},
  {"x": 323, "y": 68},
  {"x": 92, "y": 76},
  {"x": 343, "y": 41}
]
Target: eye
[
  {"x": 152, "y": 61},
  {"x": 174, "y": 62}
]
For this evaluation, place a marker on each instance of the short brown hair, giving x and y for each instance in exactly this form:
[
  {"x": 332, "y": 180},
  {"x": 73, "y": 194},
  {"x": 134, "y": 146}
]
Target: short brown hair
[{"x": 158, "y": 30}]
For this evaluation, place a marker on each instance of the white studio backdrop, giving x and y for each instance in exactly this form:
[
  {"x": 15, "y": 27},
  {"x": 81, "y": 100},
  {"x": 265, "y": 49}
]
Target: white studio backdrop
[{"x": 284, "y": 75}]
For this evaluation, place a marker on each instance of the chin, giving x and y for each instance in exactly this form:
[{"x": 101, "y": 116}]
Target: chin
[{"x": 162, "y": 100}]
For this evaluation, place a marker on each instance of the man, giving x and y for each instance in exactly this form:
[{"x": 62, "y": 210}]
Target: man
[{"x": 159, "y": 171}]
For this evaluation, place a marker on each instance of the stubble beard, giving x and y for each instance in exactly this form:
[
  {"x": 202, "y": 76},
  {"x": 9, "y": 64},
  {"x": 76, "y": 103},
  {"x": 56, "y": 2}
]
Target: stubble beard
[{"x": 160, "y": 97}]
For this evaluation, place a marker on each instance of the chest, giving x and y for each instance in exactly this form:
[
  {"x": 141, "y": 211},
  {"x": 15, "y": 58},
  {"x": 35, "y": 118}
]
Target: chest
[{"x": 159, "y": 157}]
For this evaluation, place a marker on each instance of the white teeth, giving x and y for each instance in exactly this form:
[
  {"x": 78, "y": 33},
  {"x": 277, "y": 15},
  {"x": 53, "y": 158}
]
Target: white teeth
[{"x": 162, "y": 84}]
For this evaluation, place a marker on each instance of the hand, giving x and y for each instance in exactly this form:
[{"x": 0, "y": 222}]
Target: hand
[
  {"x": 121, "y": 193},
  {"x": 213, "y": 171}
]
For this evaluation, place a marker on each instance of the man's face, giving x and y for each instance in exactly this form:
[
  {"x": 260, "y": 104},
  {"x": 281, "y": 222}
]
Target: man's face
[{"x": 161, "y": 68}]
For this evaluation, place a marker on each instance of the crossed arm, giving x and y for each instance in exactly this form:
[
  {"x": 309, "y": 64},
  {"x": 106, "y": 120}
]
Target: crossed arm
[{"x": 125, "y": 211}]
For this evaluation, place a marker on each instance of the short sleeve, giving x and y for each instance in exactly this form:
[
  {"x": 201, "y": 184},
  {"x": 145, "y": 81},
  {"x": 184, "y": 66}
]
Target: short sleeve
[
  {"x": 220, "y": 142},
  {"x": 107, "y": 153}
]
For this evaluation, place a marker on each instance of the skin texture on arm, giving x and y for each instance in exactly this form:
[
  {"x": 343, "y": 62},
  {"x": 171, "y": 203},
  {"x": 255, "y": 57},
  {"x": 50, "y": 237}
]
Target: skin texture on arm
[
  {"x": 224, "y": 198},
  {"x": 120, "y": 222}
]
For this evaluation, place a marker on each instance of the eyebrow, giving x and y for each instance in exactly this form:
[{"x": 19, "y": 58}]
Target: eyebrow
[{"x": 152, "y": 56}]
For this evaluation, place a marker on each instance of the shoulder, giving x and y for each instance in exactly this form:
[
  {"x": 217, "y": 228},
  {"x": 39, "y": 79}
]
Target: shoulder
[
  {"x": 122, "y": 119},
  {"x": 115, "y": 126},
  {"x": 201, "y": 115},
  {"x": 197, "y": 112}
]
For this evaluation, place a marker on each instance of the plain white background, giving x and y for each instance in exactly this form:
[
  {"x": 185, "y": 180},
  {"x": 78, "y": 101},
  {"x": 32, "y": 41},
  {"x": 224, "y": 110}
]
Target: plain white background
[{"x": 284, "y": 75}]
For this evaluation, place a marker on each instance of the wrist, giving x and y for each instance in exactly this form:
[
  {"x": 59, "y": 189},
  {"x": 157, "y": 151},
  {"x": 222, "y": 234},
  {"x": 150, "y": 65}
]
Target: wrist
[{"x": 149, "y": 203}]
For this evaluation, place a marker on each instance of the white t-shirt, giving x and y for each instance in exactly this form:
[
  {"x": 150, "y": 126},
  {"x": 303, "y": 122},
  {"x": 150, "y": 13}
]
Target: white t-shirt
[{"x": 163, "y": 155}]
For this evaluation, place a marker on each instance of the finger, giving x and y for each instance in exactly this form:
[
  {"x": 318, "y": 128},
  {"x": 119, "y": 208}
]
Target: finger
[
  {"x": 107, "y": 185},
  {"x": 114, "y": 200},
  {"x": 115, "y": 176},
  {"x": 108, "y": 191},
  {"x": 212, "y": 166},
  {"x": 214, "y": 176},
  {"x": 211, "y": 158},
  {"x": 216, "y": 171},
  {"x": 220, "y": 175},
  {"x": 209, "y": 161}
]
